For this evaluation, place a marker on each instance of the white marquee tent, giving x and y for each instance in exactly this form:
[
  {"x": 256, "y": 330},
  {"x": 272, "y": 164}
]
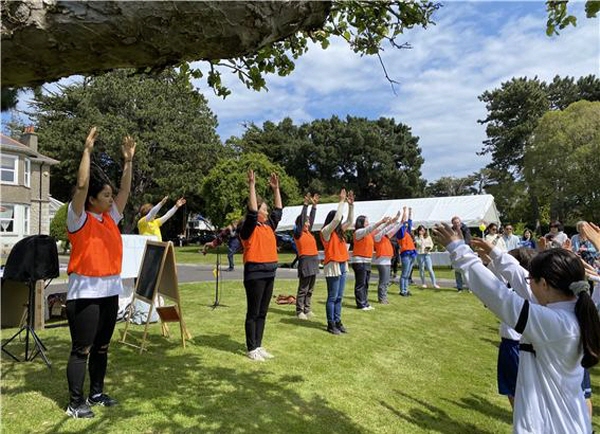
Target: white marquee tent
[{"x": 473, "y": 210}]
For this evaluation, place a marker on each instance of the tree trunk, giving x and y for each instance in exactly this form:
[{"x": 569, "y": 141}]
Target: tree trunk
[{"x": 45, "y": 40}]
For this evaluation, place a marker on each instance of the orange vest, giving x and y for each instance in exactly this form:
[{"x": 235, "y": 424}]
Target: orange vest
[
  {"x": 261, "y": 247},
  {"x": 335, "y": 249},
  {"x": 306, "y": 244},
  {"x": 407, "y": 243},
  {"x": 96, "y": 248},
  {"x": 384, "y": 247},
  {"x": 364, "y": 246}
]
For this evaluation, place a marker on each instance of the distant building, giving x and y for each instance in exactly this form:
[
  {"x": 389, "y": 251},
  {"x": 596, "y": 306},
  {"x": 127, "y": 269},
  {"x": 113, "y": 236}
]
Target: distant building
[{"x": 24, "y": 189}]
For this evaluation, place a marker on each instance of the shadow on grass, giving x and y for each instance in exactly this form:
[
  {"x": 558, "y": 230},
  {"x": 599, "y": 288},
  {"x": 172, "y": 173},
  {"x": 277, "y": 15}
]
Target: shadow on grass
[
  {"x": 171, "y": 390},
  {"x": 485, "y": 407},
  {"x": 431, "y": 418},
  {"x": 304, "y": 323}
]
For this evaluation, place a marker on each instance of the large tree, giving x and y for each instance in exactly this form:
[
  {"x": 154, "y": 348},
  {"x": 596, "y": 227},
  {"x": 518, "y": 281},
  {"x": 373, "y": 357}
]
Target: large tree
[
  {"x": 378, "y": 159},
  {"x": 170, "y": 120},
  {"x": 225, "y": 188},
  {"x": 562, "y": 159}
]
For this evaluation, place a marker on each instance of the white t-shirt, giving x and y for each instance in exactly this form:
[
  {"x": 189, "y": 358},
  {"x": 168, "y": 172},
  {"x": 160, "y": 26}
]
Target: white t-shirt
[
  {"x": 85, "y": 286},
  {"x": 548, "y": 397}
]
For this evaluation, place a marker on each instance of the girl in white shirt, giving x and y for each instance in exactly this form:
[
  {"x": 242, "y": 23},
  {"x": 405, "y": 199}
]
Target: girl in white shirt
[{"x": 560, "y": 333}]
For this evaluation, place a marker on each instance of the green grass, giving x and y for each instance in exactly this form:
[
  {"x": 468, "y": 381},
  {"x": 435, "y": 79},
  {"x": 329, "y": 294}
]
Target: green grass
[{"x": 422, "y": 364}]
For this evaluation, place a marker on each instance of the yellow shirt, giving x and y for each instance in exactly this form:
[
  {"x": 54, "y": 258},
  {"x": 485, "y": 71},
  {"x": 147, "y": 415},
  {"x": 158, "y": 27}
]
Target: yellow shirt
[{"x": 149, "y": 227}]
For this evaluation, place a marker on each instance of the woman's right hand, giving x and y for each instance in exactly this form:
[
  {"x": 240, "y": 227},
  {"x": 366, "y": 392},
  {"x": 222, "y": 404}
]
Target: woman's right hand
[
  {"x": 91, "y": 138},
  {"x": 343, "y": 195},
  {"x": 251, "y": 178}
]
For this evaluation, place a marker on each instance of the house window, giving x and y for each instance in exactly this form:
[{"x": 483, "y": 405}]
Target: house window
[
  {"x": 26, "y": 220},
  {"x": 27, "y": 174},
  {"x": 7, "y": 218},
  {"x": 9, "y": 171}
]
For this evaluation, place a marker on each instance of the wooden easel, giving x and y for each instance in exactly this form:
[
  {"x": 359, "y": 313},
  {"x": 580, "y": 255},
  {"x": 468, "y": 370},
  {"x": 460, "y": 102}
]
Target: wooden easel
[{"x": 158, "y": 276}]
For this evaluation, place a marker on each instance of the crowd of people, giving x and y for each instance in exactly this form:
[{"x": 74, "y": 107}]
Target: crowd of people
[{"x": 544, "y": 291}]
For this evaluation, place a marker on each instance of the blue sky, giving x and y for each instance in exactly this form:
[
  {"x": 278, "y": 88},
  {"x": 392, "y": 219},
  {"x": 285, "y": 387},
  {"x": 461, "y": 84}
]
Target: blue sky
[{"x": 474, "y": 46}]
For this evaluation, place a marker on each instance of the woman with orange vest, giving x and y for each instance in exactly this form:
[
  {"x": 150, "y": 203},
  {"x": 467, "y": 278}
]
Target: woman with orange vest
[
  {"x": 408, "y": 252},
  {"x": 257, "y": 234},
  {"x": 336, "y": 260},
  {"x": 384, "y": 252},
  {"x": 362, "y": 255},
  {"x": 94, "y": 276},
  {"x": 308, "y": 257}
]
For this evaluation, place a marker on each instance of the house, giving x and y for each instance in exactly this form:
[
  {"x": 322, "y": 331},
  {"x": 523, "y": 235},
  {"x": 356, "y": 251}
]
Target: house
[{"x": 24, "y": 189}]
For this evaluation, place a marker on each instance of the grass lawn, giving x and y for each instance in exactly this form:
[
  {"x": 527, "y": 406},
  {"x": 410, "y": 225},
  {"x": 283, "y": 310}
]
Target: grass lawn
[{"x": 421, "y": 364}]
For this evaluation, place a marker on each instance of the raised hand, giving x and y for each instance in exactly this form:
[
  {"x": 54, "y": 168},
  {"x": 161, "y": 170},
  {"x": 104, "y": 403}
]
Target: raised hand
[
  {"x": 274, "y": 181},
  {"x": 164, "y": 200},
  {"x": 542, "y": 244},
  {"x": 315, "y": 199},
  {"x": 307, "y": 198},
  {"x": 180, "y": 202},
  {"x": 251, "y": 177},
  {"x": 343, "y": 195},
  {"x": 350, "y": 198},
  {"x": 592, "y": 233},
  {"x": 91, "y": 138},
  {"x": 128, "y": 148},
  {"x": 444, "y": 234},
  {"x": 481, "y": 246}
]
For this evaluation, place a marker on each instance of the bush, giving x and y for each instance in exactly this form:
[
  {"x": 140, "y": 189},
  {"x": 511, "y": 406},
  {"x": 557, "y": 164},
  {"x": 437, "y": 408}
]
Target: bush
[{"x": 58, "y": 227}]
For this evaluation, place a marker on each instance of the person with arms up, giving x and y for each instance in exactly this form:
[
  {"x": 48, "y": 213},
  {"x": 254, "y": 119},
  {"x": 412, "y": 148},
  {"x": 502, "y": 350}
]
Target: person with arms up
[
  {"x": 260, "y": 263},
  {"x": 148, "y": 224},
  {"x": 458, "y": 225},
  {"x": 94, "y": 275},
  {"x": 308, "y": 257},
  {"x": 560, "y": 330},
  {"x": 336, "y": 260},
  {"x": 384, "y": 252},
  {"x": 408, "y": 252},
  {"x": 362, "y": 255}
]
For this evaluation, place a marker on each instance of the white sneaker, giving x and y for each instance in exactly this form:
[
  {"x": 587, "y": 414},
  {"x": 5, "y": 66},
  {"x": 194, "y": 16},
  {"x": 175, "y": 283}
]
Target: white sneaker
[
  {"x": 264, "y": 353},
  {"x": 255, "y": 355},
  {"x": 423, "y": 286},
  {"x": 302, "y": 315},
  {"x": 309, "y": 314},
  {"x": 367, "y": 308}
]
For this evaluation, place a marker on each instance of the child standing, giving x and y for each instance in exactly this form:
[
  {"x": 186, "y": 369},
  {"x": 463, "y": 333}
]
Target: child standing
[
  {"x": 260, "y": 263},
  {"x": 94, "y": 276},
  {"x": 560, "y": 331},
  {"x": 336, "y": 260}
]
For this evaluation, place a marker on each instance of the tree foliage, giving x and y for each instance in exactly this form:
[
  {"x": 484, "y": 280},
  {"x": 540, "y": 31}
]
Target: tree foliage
[
  {"x": 451, "y": 186},
  {"x": 515, "y": 109},
  {"x": 58, "y": 226},
  {"x": 225, "y": 188},
  {"x": 559, "y": 18},
  {"x": 562, "y": 160},
  {"x": 170, "y": 120},
  {"x": 378, "y": 159}
]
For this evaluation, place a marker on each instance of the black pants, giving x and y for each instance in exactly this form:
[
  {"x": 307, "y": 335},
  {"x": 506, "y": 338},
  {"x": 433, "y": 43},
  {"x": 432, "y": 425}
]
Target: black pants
[
  {"x": 258, "y": 297},
  {"x": 91, "y": 323},
  {"x": 362, "y": 275}
]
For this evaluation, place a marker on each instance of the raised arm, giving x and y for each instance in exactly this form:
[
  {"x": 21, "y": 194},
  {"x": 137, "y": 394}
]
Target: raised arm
[
  {"x": 252, "y": 202},
  {"x": 83, "y": 174},
  {"x": 155, "y": 209},
  {"x": 348, "y": 223},
  {"x": 330, "y": 227},
  {"x": 128, "y": 149},
  {"x": 313, "y": 211},
  {"x": 592, "y": 233},
  {"x": 274, "y": 183},
  {"x": 298, "y": 229},
  {"x": 363, "y": 232},
  {"x": 180, "y": 202}
]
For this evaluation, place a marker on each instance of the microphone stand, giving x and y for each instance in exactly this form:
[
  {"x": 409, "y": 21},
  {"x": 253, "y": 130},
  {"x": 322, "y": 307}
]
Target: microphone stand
[{"x": 217, "y": 273}]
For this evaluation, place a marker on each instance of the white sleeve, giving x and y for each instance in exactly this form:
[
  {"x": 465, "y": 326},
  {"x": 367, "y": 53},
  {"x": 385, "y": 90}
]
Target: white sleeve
[
  {"x": 327, "y": 230},
  {"x": 75, "y": 222},
  {"x": 510, "y": 270},
  {"x": 168, "y": 215},
  {"x": 152, "y": 213},
  {"x": 115, "y": 214}
]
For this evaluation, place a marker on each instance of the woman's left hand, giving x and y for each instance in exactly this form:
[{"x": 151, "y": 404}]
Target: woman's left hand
[
  {"x": 128, "y": 148},
  {"x": 444, "y": 234},
  {"x": 274, "y": 181}
]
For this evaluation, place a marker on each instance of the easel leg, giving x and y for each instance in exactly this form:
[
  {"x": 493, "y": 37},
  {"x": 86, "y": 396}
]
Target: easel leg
[{"x": 142, "y": 348}]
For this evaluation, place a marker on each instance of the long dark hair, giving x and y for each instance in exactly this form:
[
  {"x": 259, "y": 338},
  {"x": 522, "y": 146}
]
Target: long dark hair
[
  {"x": 524, "y": 255},
  {"x": 98, "y": 181},
  {"x": 338, "y": 229},
  {"x": 560, "y": 268},
  {"x": 422, "y": 227},
  {"x": 360, "y": 222}
]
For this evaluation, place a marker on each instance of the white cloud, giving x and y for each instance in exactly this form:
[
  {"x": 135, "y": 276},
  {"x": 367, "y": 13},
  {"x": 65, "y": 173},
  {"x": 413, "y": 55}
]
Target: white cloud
[{"x": 474, "y": 47}]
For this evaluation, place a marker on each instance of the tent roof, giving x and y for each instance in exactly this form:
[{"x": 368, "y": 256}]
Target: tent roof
[{"x": 472, "y": 210}]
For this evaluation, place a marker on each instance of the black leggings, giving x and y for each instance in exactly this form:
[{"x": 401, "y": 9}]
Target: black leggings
[
  {"x": 258, "y": 297},
  {"x": 91, "y": 323}
]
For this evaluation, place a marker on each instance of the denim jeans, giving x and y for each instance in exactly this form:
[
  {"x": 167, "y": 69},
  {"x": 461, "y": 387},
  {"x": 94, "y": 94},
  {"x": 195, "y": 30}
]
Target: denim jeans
[
  {"x": 459, "y": 280},
  {"x": 407, "y": 264},
  {"x": 362, "y": 275},
  {"x": 384, "y": 280},
  {"x": 335, "y": 293},
  {"x": 233, "y": 246},
  {"x": 424, "y": 261}
]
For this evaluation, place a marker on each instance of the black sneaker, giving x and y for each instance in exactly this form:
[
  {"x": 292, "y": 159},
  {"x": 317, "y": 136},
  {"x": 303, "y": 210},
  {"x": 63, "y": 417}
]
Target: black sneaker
[
  {"x": 81, "y": 411},
  {"x": 341, "y": 327},
  {"x": 331, "y": 328},
  {"x": 103, "y": 400}
]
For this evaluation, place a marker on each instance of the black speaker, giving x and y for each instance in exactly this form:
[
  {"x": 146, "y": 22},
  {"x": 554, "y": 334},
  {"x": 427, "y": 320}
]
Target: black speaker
[{"x": 32, "y": 258}]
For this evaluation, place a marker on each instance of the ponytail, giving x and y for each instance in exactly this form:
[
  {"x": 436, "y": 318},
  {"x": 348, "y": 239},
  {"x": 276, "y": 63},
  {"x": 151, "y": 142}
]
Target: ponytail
[{"x": 589, "y": 324}]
